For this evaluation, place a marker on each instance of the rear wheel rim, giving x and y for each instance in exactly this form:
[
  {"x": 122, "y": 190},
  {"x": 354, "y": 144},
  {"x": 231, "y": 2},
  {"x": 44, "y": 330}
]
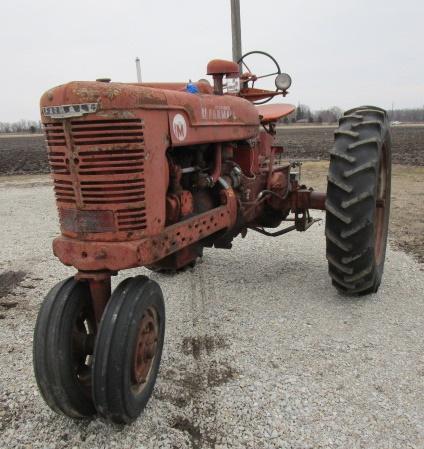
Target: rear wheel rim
[
  {"x": 380, "y": 218},
  {"x": 145, "y": 350}
]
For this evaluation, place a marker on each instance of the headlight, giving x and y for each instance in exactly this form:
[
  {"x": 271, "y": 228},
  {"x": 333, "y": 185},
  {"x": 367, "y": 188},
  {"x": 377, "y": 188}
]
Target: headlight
[
  {"x": 283, "y": 81},
  {"x": 233, "y": 84}
]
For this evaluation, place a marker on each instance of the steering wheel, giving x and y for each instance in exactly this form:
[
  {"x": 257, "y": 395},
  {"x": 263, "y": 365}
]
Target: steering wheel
[{"x": 242, "y": 62}]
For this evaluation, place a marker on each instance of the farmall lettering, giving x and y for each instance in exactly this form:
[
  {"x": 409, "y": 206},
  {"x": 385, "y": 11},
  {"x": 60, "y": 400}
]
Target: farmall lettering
[{"x": 217, "y": 113}]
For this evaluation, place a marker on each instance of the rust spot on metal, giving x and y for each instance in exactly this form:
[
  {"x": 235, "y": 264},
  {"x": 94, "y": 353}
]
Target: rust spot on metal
[
  {"x": 149, "y": 97},
  {"x": 87, "y": 93},
  {"x": 189, "y": 108},
  {"x": 112, "y": 93}
]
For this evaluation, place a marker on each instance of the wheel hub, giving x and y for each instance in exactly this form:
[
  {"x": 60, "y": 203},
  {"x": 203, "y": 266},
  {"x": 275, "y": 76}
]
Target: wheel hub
[
  {"x": 83, "y": 336},
  {"x": 145, "y": 348}
]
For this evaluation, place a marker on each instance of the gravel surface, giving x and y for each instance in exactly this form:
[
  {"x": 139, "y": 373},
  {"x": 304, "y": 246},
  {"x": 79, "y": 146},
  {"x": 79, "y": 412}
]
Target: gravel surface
[{"x": 260, "y": 352}]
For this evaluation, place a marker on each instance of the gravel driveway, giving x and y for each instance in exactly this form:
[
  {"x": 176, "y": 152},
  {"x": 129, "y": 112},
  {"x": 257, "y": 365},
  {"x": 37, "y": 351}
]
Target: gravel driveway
[{"x": 260, "y": 351}]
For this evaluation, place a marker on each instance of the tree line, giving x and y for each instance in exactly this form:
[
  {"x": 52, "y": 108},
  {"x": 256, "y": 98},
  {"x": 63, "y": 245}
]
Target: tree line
[
  {"x": 21, "y": 126},
  {"x": 304, "y": 114},
  {"x": 407, "y": 115}
]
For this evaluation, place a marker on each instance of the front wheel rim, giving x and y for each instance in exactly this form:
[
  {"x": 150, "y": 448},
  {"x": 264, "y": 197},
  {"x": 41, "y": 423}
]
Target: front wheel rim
[
  {"x": 145, "y": 350},
  {"x": 82, "y": 346}
]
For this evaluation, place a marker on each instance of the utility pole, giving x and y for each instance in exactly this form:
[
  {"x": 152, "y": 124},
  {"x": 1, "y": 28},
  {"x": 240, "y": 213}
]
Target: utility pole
[
  {"x": 236, "y": 29},
  {"x": 138, "y": 68}
]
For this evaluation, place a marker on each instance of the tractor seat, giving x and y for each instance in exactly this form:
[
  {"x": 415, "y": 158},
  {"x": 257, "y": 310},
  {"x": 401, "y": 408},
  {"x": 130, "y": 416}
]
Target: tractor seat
[{"x": 272, "y": 112}]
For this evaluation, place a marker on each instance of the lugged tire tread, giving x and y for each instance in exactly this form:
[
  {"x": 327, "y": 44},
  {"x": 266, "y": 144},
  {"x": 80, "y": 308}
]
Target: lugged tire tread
[
  {"x": 341, "y": 282},
  {"x": 343, "y": 156},
  {"x": 360, "y": 143},
  {"x": 343, "y": 132},
  {"x": 358, "y": 276},
  {"x": 339, "y": 183},
  {"x": 337, "y": 241},
  {"x": 350, "y": 117},
  {"x": 376, "y": 111},
  {"x": 354, "y": 230},
  {"x": 352, "y": 182},
  {"x": 368, "y": 123},
  {"x": 339, "y": 266},
  {"x": 347, "y": 260},
  {"x": 356, "y": 199},
  {"x": 362, "y": 108},
  {"x": 337, "y": 213},
  {"x": 371, "y": 165}
]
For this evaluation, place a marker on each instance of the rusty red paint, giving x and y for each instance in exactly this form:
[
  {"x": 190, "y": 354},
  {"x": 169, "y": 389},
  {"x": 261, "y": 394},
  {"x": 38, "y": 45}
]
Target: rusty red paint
[
  {"x": 97, "y": 255},
  {"x": 145, "y": 348},
  {"x": 120, "y": 195},
  {"x": 222, "y": 66},
  {"x": 100, "y": 289},
  {"x": 273, "y": 112}
]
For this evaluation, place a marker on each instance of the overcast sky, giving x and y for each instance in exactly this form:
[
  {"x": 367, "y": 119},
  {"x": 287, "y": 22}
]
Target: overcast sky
[{"x": 338, "y": 52}]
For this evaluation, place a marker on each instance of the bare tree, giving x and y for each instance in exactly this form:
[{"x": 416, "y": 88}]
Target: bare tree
[{"x": 21, "y": 126}]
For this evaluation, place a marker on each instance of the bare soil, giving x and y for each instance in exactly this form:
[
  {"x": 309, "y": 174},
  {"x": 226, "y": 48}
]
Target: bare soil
[
  {"x": 9, "y": 280},
  {"x": 315, "y": 142},
  {"x": 23, "y": 155},
  {"x": 27, "y": 154}
]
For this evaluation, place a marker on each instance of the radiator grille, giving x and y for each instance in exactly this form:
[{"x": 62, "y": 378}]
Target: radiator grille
[
  {"x": 100, "y": 132},
  {"x": 131, "y": 220},
  {"x": 64, "y": 191},
  {"x": 101, "y": 192},
  {"x": 55, "y": 137},
  {"x": 114, "y": 161},
  {"x": 108, "y": 161},
  {"x": 55, "y": 134}
]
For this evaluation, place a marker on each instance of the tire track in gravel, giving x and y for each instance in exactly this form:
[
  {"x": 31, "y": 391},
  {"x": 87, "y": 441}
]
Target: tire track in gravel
[{"x": 207, "y": 371}]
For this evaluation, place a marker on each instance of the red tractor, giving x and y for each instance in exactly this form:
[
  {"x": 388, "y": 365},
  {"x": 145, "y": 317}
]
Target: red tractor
[{"x": 148, "y": 174}]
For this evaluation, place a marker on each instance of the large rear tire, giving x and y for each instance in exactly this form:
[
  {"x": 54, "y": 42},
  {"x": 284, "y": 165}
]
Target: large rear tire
[{"x": 358, "y": 200}]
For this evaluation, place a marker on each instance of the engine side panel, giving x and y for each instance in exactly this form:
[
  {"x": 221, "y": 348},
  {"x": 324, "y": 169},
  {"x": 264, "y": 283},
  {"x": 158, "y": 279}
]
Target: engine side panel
[{"x": 197, "y": 119}]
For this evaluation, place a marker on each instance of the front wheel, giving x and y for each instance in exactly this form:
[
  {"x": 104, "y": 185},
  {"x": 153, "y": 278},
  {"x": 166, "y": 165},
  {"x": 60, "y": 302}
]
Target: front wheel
[
  {"x": 128, "y": 349},
  {"x": 358, "y": 200},
  {"x": 62, "y": 349}
]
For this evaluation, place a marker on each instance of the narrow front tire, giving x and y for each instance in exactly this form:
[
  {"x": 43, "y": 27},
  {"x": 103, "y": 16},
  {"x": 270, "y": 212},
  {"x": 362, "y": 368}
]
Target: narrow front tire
[
  {"x": 128, "y": 349},
  {"x": 62, "y": 349}
]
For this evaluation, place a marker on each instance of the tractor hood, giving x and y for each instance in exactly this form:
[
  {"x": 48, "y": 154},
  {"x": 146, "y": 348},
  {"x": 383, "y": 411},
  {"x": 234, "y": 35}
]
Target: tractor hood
[{"x": 111, "y": 100}]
